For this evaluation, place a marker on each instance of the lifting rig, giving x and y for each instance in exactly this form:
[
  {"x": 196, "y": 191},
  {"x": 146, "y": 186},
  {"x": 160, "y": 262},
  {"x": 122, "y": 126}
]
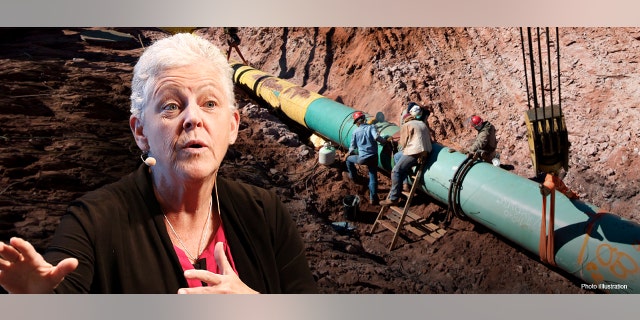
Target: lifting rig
[
  {"x": 546, "y": 129},
  {"x": 547, "y": 133}
]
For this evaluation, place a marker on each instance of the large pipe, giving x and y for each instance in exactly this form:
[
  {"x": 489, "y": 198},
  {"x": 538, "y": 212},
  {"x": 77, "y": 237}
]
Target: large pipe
[{"x": 598, "y": 247}]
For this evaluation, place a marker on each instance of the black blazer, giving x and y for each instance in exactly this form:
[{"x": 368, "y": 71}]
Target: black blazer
[{"x": 118, "y": 235}]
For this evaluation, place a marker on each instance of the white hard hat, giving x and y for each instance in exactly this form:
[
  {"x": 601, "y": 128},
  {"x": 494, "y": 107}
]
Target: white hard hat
[{"x": 416, "y": 111}]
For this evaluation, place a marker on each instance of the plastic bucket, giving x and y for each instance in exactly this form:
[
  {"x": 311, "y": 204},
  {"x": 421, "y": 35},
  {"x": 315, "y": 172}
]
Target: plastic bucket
[
  {"x": 350, "y": 206},
  {"x": 327, "y": 155}
]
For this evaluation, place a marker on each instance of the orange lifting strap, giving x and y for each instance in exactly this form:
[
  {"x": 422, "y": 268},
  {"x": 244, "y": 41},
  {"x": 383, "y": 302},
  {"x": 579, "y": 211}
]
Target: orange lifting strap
[
  {"x": 552, "y": 183},
  {"x": 546, "y": 247}
]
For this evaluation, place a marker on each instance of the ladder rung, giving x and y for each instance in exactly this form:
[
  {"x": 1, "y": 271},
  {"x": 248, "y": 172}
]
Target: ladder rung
[
  {"x": 429, "y": 232},
  {"x": 392, "y": 224},
  {"x": 410, "y": 216},
  {"x": 416, "y": 231},
  {"x": 413, "y": 216},
  {"x": 388, "y": 225},
  {"x": 411, "y": 221},
  {"x": 429, "y": 239},
  {"x": 396, "y": 209},
  {"x": 435, "y": 235},
  {"x": 394, "y": 216},
  {"x": 431, "y": 227}
]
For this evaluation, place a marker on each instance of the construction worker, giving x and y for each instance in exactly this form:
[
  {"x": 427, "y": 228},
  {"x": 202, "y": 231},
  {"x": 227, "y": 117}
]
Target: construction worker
[
  {"x": 403, "y": 116},
  {"x": 363, "y": 140},
  {"x": 405, "y": 112},
  {"x": 233, "y": 40},
  {"x": 415, "y": 145},
  {"x": 485, "y": 143}
]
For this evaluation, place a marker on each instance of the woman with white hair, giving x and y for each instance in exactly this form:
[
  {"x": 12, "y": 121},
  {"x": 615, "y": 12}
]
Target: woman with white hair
[{"x": 172, "y": 225}]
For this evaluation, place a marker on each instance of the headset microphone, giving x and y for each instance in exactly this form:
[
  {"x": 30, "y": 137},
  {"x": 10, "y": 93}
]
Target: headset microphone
[{"x": 149, "y": 161}]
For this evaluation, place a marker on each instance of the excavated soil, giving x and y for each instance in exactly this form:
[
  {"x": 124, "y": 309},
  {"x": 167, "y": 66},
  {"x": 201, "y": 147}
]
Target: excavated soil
[{"x": 64, "y": 102}]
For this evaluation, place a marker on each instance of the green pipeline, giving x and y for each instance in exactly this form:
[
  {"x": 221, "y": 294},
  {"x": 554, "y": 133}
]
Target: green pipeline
[{"x": 600, "y": 248}]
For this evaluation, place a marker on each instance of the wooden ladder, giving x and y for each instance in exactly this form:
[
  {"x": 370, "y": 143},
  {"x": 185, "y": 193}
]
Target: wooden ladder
[{"x": 395, "y": 218}]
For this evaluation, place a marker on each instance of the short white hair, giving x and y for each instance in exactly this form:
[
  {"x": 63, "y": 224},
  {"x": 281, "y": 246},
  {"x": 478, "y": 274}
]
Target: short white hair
[{"x": 179, "y": 50}]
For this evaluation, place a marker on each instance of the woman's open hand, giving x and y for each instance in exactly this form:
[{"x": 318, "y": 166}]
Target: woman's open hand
[
  {"x": 226, "y": 282},
  {"x": 24, "y": 270}
]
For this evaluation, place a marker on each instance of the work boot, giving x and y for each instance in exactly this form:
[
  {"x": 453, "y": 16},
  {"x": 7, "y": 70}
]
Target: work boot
[
  {"x": 406, "y": 187},
  {"x": 389, "y": 202},
  {"x": 373, "y": 200}
]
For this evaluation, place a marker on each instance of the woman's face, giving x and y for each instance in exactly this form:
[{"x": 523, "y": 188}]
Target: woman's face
[{"x": 188, "y": 124}]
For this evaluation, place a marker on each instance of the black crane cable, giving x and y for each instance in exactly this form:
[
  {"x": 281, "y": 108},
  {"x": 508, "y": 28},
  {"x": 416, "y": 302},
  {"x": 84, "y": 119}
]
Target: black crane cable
[
  {"x": 526, "y": 78},
  {"x": 343, "y": 127},
  {"x": 455, "y": 187},
  {"x": 540, "y": 71},
  {"x": 541, "y": 127},
  {"x": 550, "y": 74},
  {"x": 558, "y": 65}
]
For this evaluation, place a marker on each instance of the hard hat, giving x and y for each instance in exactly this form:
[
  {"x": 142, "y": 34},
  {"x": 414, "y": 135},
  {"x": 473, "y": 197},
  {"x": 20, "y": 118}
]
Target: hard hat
[
  {"x": 416, "y": 111},
  {"x": 357, "y": 115},
  {"x": 476, "y": 121}
]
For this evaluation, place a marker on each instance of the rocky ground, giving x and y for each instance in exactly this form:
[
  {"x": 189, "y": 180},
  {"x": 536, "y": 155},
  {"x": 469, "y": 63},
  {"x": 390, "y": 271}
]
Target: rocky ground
[{"x": 64, "y": 110}]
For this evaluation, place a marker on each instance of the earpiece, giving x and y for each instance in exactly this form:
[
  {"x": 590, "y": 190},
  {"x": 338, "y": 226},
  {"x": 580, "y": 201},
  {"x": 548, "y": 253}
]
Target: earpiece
[{"x": 149, "y": 161}]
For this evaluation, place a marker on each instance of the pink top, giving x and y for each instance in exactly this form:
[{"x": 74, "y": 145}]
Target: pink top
[{"x": 208, "y": 255}]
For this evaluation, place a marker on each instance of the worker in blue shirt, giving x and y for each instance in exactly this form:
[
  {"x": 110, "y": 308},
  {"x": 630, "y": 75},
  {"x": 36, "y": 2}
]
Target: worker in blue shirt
[{"x": 364, "y": 140}]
